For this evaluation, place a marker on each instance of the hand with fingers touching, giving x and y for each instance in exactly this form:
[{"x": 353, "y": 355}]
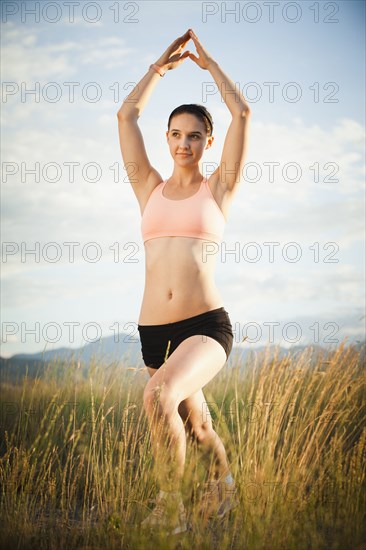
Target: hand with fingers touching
[
  {"x": 173, "y": 57},
  {"x": 205, "y": 59}
]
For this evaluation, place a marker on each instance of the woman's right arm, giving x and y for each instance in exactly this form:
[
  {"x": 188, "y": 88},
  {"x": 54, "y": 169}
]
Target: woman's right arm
[
  {"x": 142, "y": 175},
  {"x": 136, "y": 162}
]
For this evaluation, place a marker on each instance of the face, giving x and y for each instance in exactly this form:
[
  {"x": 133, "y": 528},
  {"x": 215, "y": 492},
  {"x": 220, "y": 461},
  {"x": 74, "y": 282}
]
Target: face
[{"x": 187, "y": 139}]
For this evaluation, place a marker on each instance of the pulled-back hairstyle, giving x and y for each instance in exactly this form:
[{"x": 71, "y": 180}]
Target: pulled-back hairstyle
[{"x": 198, "y": 111}]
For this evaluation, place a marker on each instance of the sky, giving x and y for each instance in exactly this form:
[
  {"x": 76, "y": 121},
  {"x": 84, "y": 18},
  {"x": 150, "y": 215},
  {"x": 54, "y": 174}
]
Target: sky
[{"x": 291, "y": 266}]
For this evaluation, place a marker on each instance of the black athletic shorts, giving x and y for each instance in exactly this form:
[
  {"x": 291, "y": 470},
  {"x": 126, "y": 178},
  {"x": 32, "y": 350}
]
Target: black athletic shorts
[{"x": 155, "y": 339}]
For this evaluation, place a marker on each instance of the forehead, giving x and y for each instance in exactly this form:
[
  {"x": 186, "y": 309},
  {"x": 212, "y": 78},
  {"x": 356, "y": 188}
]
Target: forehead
[{"x": 187, "y": 122}]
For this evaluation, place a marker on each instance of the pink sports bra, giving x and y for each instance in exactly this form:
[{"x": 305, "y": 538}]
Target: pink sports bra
[{"x": 197, "y": 216}]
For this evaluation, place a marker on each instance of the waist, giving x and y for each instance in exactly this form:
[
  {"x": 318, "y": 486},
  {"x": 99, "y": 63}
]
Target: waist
[
  {"x": 161, "y": 306},
  {"x": 188, "y": 320}
]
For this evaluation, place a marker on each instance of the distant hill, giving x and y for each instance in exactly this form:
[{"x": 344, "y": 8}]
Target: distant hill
[
  {"x": 123, "y": 349},
  {"x": 110, "y": 348},
  {"x": 119, "y": 349}
]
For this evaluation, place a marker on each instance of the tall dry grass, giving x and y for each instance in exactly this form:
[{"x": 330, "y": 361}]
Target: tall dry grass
[{"x": 76, "y": 466}]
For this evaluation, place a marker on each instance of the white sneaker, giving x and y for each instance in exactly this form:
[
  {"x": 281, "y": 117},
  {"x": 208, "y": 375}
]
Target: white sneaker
[
  {"x": 228, "y": 499},
  {"x": 217, "y": 499},
  {"x": 168, "y": 514}
]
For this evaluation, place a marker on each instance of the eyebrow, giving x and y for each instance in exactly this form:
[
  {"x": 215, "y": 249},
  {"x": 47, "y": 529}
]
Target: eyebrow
[{"x": 195, "y": 132}]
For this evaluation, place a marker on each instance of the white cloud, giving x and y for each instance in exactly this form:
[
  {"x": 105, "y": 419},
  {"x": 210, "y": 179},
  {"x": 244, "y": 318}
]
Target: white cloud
[
  {"x": 313, "y": 300},
  {"x": 26, "y": 59},
  {"x": 108, "y": 121}
]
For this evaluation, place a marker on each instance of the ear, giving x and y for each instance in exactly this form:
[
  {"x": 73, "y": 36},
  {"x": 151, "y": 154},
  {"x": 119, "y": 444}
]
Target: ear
[
  {"x": 167, "y": 135},
  {"x": 210, "y": 141}
]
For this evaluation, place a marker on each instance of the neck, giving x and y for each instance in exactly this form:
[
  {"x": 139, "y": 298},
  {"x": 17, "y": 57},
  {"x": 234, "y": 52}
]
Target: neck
[{"x": 184, "y": 177}]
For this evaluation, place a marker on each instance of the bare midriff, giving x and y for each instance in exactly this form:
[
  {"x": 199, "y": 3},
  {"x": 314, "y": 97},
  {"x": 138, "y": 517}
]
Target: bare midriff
[{"x": 179, "y": 279}]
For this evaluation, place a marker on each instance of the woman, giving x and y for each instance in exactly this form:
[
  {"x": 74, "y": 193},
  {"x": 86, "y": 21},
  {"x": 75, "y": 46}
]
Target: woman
[{"x": 186, "y": 334}]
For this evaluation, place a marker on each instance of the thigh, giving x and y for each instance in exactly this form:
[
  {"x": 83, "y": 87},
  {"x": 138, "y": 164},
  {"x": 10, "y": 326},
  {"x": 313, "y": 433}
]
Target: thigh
[{"x": 189, "y": 368}]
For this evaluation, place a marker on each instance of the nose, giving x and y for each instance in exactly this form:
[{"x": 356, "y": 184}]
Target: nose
[{"x": 183, "y": 144}]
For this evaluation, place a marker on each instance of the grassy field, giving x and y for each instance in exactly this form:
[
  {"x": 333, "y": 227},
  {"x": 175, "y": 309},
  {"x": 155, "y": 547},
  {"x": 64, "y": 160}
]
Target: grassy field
[{"x": 76, "y": 468}]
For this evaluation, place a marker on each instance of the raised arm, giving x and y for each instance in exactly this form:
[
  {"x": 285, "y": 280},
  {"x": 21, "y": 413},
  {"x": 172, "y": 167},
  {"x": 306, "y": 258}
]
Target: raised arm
[
  {"x": 142, "y": 175},
  {"x": 227, "y": 175}
]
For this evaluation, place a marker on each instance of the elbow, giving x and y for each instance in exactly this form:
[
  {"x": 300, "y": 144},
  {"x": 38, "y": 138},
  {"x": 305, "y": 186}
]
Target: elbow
[
  {"x": 127, "y": 115},
  {"x": 121, "y": 115},
  {"x": 242, "y": 112}
]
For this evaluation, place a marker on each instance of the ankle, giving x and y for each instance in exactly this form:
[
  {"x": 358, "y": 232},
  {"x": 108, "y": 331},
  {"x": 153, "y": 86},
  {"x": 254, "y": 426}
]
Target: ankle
[
  {"x": 226, "y": 480},
  {"x": 229, "y": 480}
]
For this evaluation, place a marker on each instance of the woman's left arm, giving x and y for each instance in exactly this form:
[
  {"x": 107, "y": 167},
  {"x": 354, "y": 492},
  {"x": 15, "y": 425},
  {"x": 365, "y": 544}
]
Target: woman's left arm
[{"x": 235, "y": 145}]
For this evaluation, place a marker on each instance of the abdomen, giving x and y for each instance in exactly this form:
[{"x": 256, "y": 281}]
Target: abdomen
[{"x": 179, "y": 280}]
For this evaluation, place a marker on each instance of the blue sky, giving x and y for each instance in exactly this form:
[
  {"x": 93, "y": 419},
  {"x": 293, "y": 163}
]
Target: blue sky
[{"x": 319, "y": 62}]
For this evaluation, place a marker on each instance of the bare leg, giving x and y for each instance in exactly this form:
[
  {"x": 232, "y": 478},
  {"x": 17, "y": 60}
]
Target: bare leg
[
  {"x": 168, "y": 441},
  {"x": 197, "y": 422},
  {"x": 190, "y": 367},
  {"x": 195, "y": 414}
]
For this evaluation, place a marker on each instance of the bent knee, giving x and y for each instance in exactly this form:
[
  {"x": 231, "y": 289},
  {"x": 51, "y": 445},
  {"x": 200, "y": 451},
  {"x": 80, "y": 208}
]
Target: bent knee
[
  {"x": 151, "y": 397},
  {"x": 161, "y": 397}
]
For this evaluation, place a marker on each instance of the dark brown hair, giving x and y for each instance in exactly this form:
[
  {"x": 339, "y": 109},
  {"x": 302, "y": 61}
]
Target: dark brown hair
[{"x": 198, "y": 111}]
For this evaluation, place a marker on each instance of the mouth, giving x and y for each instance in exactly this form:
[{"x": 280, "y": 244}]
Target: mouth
[{"x": 184, "y": 154}]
